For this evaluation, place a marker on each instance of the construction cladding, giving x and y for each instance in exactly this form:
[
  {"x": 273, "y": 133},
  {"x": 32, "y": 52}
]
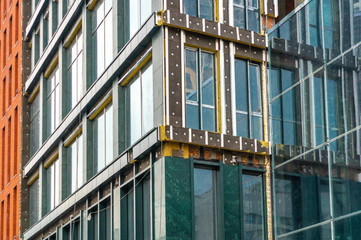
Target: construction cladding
[{"x": 10, "y": 109}]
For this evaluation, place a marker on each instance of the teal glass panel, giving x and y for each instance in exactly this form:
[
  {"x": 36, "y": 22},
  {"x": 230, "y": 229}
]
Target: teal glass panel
[
  {"x": 322, "y": 232},
  {"x": 241, "y": 86},
  {"x": 348, "y": 228}
]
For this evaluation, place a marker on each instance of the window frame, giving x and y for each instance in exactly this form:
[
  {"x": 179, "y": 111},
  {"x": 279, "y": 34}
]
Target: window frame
[
  {"x": 214, "y": 17},
  {"x": 34, "y": 96},
  {"x": 95, "y": 26},
  {"x": 246, "y": 8},
  {"x": 255, "y": 172},
  {"x": 199, "y": 102},
  {"x": 52, "y": 171},
  {"x": 137, "y": 77},
  {"x": 216, "y": 169},
  {"x": 34, "y": 179},
  {"x": 250, "y": 113}
]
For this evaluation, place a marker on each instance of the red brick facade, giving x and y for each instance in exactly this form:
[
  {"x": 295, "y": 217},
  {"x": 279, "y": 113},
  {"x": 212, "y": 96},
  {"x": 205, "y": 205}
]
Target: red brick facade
[{"x": 10, "y": 109}]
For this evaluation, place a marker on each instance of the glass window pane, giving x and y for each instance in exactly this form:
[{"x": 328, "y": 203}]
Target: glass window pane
[
  {"x": 134, "y": 17},
  {"x": 253, "y": 206},
  {"x": 190, "y": 7},
  {"x": 207, "y": 78},
  {"x": 255, "y": 88},
  {"x": 100, "y": 50},
  {"x": 135, "y": 111},
  {"x": 204, "y": 203},
  {"x": 108, "y": 40},
  {"x": 34, "y": 203},
  {"x": 242, "y": 125},
  {"x": 147, "y": 99},
  {"x": 101, "y": 142},
  {"x": 257, "y": 127},
  {"x": 241, "y": 85},
  {"x": 191, "y": 75},
  {"x": 239, "y": 17},
  {"x": 109, "y": 135},
  {"x": 253, "y": 20},
  {"x": 146, "y": 10},
  {"x": 206, "y": 9},
  {"x": 192, "y": 116},
  {"x": 208, "y": 118}
]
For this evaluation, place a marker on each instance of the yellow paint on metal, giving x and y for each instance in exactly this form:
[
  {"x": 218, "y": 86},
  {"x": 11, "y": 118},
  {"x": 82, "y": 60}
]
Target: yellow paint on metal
[
  {"x": 72, "y": 137},
  {"x": 51, "y": 159},
  {"x": 73, "y": 34},
  {"x": 92, "y": 4},
  {"x": 34, "y": 93},
  {"x": 136, "y": 69},
  {"x": 33, "y": 178},
  {"x": 51, "y": 67},
  {"x": 101, "y": 107}
]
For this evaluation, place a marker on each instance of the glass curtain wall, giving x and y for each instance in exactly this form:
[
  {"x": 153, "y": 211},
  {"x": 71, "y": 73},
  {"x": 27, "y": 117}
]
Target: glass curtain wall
[{"x": 314, "y": 106}]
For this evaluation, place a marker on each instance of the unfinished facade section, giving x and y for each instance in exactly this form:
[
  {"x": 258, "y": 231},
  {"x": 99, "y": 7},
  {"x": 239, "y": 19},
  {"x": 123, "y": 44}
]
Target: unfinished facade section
[{"x": 147, "y": 120}]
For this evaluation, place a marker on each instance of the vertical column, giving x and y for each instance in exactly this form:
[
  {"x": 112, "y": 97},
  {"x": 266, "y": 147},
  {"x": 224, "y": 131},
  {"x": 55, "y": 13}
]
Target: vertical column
[
  {"x": 174, "y": 84},
  {"x": 227, "y": 86}
]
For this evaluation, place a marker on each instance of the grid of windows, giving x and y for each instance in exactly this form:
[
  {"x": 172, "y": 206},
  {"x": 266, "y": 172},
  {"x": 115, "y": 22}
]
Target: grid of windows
[
  {"x": 102, "y": 36},
  {"x": 200, "y": 90},
  {"x": 248, "y": 99}
]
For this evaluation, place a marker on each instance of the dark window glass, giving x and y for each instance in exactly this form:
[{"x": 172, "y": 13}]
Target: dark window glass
[
  {"x": 143, "y": 208},
  {"x": 127, "y": 213},
  {"x": 93, "y": 230},
  {"x": 246, "y": 14},
  {"x": 34, "y": 211},
  {"x": 205, "y": 203},
  {"x": 104, "y": 220},
  {"x": 34, "y": 125},
  {"x": 199, "y": 8},
  {"x": 248, "y": 99},
  {"x": 253, "y": 206}
]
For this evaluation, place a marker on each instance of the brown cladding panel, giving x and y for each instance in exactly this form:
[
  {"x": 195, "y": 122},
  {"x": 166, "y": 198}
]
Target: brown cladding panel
[
  {"x": 211, "y": 27},
  {"x": 198, "y": 137},
  {"x": 173, "y": 5},
  {"x": 231, "y": 142},
  {"x": 214, "y": 139},
  {"x": 245, "y": 36},
  {"x": 196, "y": 23},
  {"x": 225, "y": 11},
  {"x": 175, "y": 77},
  {"x": 180, "y": 134},
  {"x": 177, "y": 19},
  {"x": 227, "y": 83},
  {"x": 248, "y": 145},
  {"x": 201, "y": 41},
  {"x": 228, "y": 31}
]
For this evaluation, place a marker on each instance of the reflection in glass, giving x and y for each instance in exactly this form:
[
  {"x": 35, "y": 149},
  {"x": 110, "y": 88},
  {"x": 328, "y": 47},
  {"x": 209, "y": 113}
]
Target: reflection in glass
[
  {"x": 205, "y": 205},
  {"x": 253, "y": 206},
  {"x": 199, "y": 8},
  {"x": 200, "y": 101}
]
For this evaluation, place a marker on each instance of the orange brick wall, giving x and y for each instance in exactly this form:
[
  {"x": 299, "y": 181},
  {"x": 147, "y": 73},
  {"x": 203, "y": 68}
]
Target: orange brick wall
[{"x": 10, "y": 109}]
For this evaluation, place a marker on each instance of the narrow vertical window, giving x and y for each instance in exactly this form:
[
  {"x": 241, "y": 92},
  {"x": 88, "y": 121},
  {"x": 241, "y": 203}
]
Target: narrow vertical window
[
  {"x": 248, "y": 102},
  {"x": 102, "y": 36},
  {"x": 205, "y": 203},
  {"x": 34, "y": 196},
  {"x": 34, "y": 124},
  {"x": 46, "y": 31},
  {"x": 139, "y": 11},
  {"x": 103, "y": 138},
  {"x": 253, "y": 206},
  {"x": 200, "y": 8},
  {"x": 143, "y": 207},
  {"x": 36, "y": 47},
  {"x": 140, "y": 104},
  {"x": 104, "y": 219},
  {"x": 200, "y": 90},
  {"x": 52, "y": 101},
  {"x": 74, "y": 168},
  {"x": 75, "y": 69},
  {"x": 127, "y": 213},
  {"x": 53, "y": 185}
]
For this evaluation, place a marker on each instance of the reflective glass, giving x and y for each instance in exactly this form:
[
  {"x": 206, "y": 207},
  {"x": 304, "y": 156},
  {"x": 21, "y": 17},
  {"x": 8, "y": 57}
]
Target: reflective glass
[
  {"x": 253, "y": 206},
  {"x": 348, "y": 228},
  {"x": 190, "y": 7},
  {"x": 205, "y": 203},
  {"x": 191, "y": 74},
  {"x": 34, "y": 203},
  {"x": 146, "y": 10},
  {"x": 135, "y": 111},
  {"x": 134, "y": 17},
  {"x": 100, "y": 128},
  {"x": 147, "y": 99},
  {"x": 206, "y": 9},
  {"x": 109, "y": 135}
]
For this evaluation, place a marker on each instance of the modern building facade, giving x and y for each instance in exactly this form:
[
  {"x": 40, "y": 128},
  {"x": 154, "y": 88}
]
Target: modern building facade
[
  {"x": 146, "y": 120},
  {"x": 10, "y": 110},
  {"x": 314, "y": 77}
]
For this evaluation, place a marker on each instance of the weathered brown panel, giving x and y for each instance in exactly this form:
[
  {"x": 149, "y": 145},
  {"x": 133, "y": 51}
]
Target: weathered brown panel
[{"x": 201, "y": 41}]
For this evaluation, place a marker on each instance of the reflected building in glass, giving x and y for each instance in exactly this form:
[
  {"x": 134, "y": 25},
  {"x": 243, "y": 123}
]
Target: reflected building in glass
[{"x": 314, "y": 94}]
